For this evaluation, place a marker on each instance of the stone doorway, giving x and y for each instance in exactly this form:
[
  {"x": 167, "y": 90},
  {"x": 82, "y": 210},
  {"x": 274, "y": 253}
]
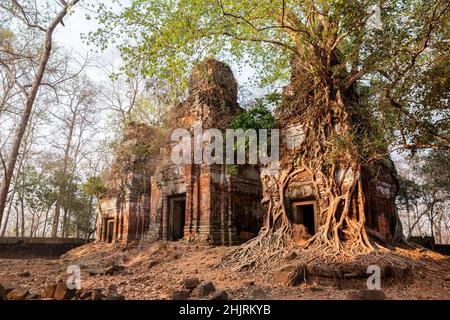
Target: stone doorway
[
  {"x": 177, "y": 217},
  {"x": 109, "y": 230},
  {"x": 304, "y": 212}
]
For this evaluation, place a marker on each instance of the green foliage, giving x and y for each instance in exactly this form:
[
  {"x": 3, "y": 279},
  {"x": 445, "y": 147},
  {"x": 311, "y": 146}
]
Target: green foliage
[
  {"x": 36, "y": 188},
  {"x": 434, "y": 168},
  {"x": 425, "y": 195},
  {"x": 80, "y": 206},
  {"x": 232, "y": 169},
  {"x": 94, "y": 186},
  {"x": 41, "y": 188},
  {"x": 74, "y": 200},
  {"x": 404, "y": 62},
  {"x": 256, "y": 117},
  {"x": 410, "y": 192},
  {"x": 169, "y": 37},
  {"x": 74, "y": 195},
  {"x": 431, "y": 182}
]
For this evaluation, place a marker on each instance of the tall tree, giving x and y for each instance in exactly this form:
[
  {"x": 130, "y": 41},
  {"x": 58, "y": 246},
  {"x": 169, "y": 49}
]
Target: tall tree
[
  {"x": 22, "y": 13},
  {"x": 425, "y": 194},
  {"x": 23, "y": 158},
  {"x": 76, "y": 116}
]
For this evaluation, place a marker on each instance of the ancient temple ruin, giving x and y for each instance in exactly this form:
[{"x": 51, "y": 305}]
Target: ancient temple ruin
[
  {"x": 123, "y": 211},
  {"x": 194, "y": 201},
  {"x": 151, "y": 198}
]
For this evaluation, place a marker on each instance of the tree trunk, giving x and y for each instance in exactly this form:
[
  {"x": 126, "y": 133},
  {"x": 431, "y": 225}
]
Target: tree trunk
[
  {"x": 66, "y": 219},
  {"x": 8, "y": 212},
  {"x": 19, "y": 169},
  {"x": 45, "y": 222},
  {"x": 56, "y": 216},
  {"x": 17, "y": 221},
  {"x": 63, "y": 187},
  {"x": 22, "y": 221},
  {"x": 32, "y": 224}
]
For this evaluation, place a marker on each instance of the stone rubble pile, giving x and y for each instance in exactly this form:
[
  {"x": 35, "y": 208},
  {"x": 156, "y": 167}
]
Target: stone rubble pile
[
  {"x": 194, "y": 289},
  {"x": 58, "y": 291}
]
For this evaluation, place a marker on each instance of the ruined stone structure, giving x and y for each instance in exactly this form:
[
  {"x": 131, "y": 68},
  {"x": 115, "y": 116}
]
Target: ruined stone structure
[
  {"x": 194, "y": 201},
  {"x": 154, "y": 198},
  {"x": 123, "y": 212},
  {"x": 302, "y": 201},
  {"x": 303, "y": 204}
]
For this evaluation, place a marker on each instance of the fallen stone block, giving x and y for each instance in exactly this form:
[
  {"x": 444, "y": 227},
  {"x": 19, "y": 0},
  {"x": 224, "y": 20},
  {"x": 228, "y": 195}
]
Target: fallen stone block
[
  {"x": 182, "y": 294},
  {"x": 32, "y": 296},
  {"x": 48, "y": 292},
  {"x": 258, "y": 294},
  {"x": 291, "y": 275},
  {"x": 95, "y": 271},
  {"x": 8, "y": 288},
  {"x": 97, "y": 295},
  {"x": 17, "y": 294},
  {"x": 84, "y": 294},
  {"x": 153, "y": 263},
  {"x": 366, "y": 295},
  {"x": 63, "y": 293},
  {"x": 203, "y": 289},
  {"x": 219, "y": 295},
  {"x": 115, "y": 297},
  {"x": 191, "y": 283}
]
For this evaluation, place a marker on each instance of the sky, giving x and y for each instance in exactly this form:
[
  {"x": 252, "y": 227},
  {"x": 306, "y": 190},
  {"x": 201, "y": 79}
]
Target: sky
[
  {"x": 76, "y": 24},
  {"x": 69, "y": 36}
]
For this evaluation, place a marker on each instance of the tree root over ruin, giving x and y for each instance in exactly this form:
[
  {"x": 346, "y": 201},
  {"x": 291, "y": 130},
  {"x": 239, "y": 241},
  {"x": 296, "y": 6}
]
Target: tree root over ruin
[
  {"x": 275, "y": 238},
  {"x": 340, "y": 239},
  {"x": 269, "y": 252},
  {"x": 335, "y": 151}
]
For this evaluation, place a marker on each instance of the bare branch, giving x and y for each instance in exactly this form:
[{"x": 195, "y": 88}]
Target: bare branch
[{"x": 25, "y": 17}]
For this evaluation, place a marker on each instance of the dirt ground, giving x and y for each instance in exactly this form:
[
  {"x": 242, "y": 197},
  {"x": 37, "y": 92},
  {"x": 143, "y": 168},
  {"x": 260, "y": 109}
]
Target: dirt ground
[{"x": 154, "y": 271}]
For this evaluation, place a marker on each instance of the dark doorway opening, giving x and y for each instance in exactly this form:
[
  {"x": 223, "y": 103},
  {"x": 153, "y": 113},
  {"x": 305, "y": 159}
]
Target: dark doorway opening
[
  {"x": 109, "y": 230},
  {"x": 304, "y": 213},
  {"x": 177, "y": 217}
]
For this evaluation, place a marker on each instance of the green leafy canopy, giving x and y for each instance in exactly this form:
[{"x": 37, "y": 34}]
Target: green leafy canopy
[{"x": 402, "y": 61}]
